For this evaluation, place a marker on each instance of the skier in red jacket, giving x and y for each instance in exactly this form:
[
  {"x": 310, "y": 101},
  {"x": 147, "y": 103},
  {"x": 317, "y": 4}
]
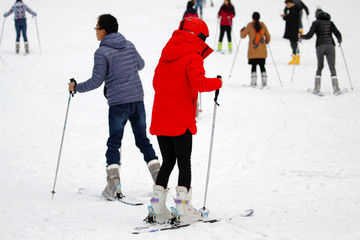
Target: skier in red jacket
[{"x": 179, "y": 77}]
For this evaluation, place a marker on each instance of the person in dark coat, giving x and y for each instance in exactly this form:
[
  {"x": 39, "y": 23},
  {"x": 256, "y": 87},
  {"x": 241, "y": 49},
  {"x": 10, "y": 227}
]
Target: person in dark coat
[
  {"x": 302, "y": 7},
  {"x": 190, "y": 10},
  {"x": 292, "y": 29},
  {"x": 323, "y": 27}
]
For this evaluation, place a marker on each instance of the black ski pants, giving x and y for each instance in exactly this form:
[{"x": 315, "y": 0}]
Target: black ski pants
[
  {"x": 224, "y": 29},
  {"x": 294, "y": 47},
  {"x": 175, "y": 149}
]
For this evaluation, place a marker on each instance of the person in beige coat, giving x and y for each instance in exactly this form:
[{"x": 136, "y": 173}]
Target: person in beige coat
[{"x": 259, "y": 36}]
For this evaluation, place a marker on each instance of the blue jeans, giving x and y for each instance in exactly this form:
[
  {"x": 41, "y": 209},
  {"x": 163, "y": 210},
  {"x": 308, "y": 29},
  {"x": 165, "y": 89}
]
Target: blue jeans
[
  {"x": 118, "y": 116},
  {"x": 20, "y": 26}
]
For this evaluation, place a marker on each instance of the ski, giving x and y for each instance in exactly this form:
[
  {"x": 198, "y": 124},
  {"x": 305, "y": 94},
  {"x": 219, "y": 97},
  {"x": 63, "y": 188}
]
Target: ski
[
  {"x": 151, "y": 228},
  {"x": 159, "y": 228},
  {"x": 131, "y": 203},
  {"x": 320, "y": 94},
  {"x": 344, "y": 90},
  {"x": 315, "y": 93},
  {"x": 255, "y": 87},
  {"x": 85, "y": 191}
]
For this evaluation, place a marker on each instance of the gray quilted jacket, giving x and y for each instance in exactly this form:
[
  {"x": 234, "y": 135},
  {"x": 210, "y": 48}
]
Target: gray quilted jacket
[{"x": 116, "y": 62}]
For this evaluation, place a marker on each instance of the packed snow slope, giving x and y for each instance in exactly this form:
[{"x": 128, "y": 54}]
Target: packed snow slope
[{"x": 291, "y": 156}]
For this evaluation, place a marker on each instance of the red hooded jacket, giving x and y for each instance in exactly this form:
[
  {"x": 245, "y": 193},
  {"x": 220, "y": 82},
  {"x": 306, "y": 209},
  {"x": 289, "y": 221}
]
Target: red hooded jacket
[{"x": 179, "y": 76}]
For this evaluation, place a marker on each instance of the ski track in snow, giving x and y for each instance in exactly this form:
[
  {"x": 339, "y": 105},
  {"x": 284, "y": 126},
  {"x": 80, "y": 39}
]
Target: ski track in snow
[{"x": 289, "y": 155}]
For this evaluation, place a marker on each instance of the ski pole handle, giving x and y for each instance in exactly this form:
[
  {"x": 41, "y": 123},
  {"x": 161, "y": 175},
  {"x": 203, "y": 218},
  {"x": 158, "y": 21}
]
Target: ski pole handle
[
  {"x": 217, "y": 92},
  {"x": 73, "y": 92}
]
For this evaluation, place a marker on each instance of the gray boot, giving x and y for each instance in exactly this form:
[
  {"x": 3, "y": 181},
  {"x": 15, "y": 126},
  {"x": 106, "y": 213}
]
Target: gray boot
[
  {"x": 335, "y": 85},
  {"x": 17, "y": 47},
  {"x": 112, "y": 190},
  {"x": 264, "y": 79},
  {"x": 154, "y": 168},
  {"x": 317, "y": 84},
  {"x": 253, "y": 79},
  {"x": 26, "y": 47},
  {"x": 184, "y": 211},
  {"x": 158, "y": 211}
]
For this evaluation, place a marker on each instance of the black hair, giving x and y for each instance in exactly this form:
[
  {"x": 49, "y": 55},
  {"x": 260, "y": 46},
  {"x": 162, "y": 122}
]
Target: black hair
[
  {"x": 256, "y": 17},
  {"x": 190, "y": 5},
  {"x": 108, "y": 23}
]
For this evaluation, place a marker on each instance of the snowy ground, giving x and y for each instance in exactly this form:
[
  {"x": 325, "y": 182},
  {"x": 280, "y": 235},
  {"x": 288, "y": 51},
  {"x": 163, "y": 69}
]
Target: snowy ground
[{"x": 291, "y": 156}]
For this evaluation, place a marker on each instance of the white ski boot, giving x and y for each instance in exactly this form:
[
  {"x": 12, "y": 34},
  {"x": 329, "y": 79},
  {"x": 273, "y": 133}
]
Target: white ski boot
[
  {"x": 154, "y": 168},
  {"x": 158, "y": 211},
  {"x": 335, "y": 85},
  {"x": 264, "y": 79},
  {"x": 17, "y": 47},
  {"x": 27, "y": 47},
  {"x": 317, "y": 84},
  {"x": 112, "y": 190},
  {"x": 184, "y": 212},
  {"x": 253, "y": 79}
]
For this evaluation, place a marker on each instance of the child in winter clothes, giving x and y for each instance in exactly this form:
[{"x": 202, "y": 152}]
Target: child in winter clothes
[
  {"x": 226, "y": 13},
  {"x": 19, "y": 9},
  {"x": 116, "y": 64},
  {"x": 190, "y": 10},
  {"x": 325, "y": 46},
  {"x": 179, "y": 77},
  {"x": 259, "y": 37}
]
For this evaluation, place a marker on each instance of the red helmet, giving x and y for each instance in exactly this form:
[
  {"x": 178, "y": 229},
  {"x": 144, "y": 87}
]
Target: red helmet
[{"x": 195, "y": 26}]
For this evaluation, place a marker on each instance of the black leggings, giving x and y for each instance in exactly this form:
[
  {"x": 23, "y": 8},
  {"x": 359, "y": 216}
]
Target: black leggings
[
  {"x": 262, "y": 67},
  {"x": 224, "y": 29},
  {"x": 175, "y": 148},
  {"x": 294, "y": 47}
]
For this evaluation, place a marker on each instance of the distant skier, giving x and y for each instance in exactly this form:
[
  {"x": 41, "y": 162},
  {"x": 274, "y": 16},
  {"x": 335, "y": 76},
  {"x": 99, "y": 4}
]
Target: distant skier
[
  {"x": 190, "y": 10},
  {"x": 199, "y": 7},
  {"x": 302, "y": 6},
  {"x": 19, "y": 9},
  {"x": 292, "y": 29},
  {"x": 226, "y": 13},
  {"x": 325, "y": 46},
  {"x": 258, "y": 38},
  {"x": 179, "y": 77},
  {"x": 116, "y": 64}
]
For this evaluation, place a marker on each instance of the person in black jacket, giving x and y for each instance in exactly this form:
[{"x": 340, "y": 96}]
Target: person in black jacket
[
  {"x": 190, "y": 10},
  {"x": 325, "y": 46},
  {"x": 292, "y": 29},
  {"x": 302, "y": 6}
]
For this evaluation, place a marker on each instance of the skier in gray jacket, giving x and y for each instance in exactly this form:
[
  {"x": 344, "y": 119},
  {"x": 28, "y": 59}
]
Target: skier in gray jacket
[{"x": 116, "y": 63}]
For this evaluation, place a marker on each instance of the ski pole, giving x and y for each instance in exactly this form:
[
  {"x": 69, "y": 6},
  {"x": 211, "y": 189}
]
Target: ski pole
[
  {"x": 232, "y": 66},
  {"x": 275, "y": 65},
  {"x": 293, "y": 71},
  {"x": 71, "y": 94},
  {"x": 231, "y": 29},
  {"x": 216, "y": 31},
  {"x": 37, "y": 31},
  {"x": 2, "y": 30},
  {"x": 347, "y": 70},
  {"x": 204, "y": 211}
]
